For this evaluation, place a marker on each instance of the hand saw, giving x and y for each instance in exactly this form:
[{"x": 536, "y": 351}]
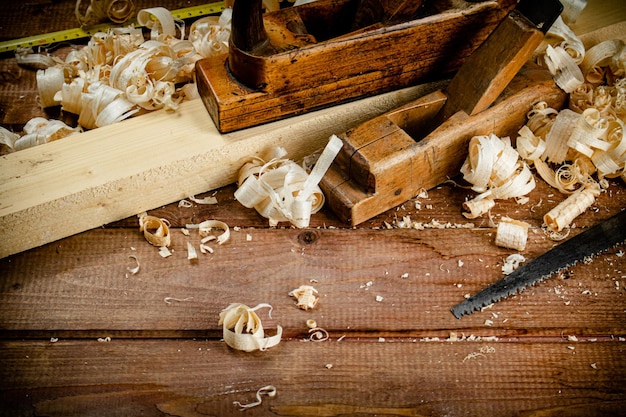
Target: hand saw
[{"x": 592, "y": 242}]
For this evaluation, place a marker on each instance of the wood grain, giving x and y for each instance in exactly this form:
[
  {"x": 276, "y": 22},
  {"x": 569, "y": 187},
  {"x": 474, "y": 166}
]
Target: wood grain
[
  {"x": 557, "y": 349},
  {"x": 332, "y": 378}
]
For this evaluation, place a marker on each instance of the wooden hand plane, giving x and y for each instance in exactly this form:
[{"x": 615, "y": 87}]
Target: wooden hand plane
[
  {"x": 391, "y": 158},
  {"x": 314, "y": 55}
]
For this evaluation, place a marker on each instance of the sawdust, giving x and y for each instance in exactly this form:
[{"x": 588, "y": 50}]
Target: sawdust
[
  {"x": 407, "y": 223},
  {"x": 483, "y": 351}
]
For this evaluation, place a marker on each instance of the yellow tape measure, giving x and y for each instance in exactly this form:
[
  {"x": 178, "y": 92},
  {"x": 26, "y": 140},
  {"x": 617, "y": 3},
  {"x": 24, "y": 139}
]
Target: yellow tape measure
[{"x": 78, "y": 33}]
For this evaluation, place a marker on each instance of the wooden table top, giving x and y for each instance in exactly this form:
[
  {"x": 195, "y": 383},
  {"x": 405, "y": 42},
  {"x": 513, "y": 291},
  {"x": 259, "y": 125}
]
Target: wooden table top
[{"x": 81, "y": 337}]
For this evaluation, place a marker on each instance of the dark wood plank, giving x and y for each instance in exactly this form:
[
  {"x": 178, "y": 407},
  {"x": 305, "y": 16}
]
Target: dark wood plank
[
  {"x": 400, "y": 378},
  {"x": 80, "y": 284}
]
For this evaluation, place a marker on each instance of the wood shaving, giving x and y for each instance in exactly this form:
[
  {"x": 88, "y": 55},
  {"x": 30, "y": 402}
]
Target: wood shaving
[
  {"x": 155, "y": 230},
  {"x": 205, "y": 200},
  {"x": 281, "y": 190},
  {"x": 119, "y": 73},
  {"x": 512, "y": 234},
  {"x": 206, "y": 227},
  {"x": 243, "y": 330},
  {"x": 192, "y": 254},
  {"x": 132, "y": 270},
  {"x": 496, "y": 171},
  {"x": 169, "y": 300},
  {"x": 306, "y": 296},
  {"x": 512, "y": 262},
  {"x": 98, "y": 11},
  {"x": 563, "y": 53},
  {"x": 164, "y": 252},
  {"x": 572, "y": 9},
  {"x": 268, "y": 390},
  {"x": 7, "y": 140},
  {"x": 37, "y": 131},
  {"x": 566, "y": 211},
  {"x": 317, "y": 334}
]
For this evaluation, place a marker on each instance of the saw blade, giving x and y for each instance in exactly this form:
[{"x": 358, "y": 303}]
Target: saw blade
[{"x": 589, "y": 243}]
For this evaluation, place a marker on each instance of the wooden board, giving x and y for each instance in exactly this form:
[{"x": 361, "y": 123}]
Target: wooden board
[{"x": 333, "y": 378}]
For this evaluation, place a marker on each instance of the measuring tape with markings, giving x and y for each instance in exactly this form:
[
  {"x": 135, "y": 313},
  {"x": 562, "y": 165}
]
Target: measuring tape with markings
[{"x": 78, "y": 33}]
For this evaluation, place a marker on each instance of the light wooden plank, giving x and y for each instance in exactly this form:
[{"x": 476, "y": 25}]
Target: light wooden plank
[
  {"x": 400, "y": 378},
  {"x": 107, "y": 174}
]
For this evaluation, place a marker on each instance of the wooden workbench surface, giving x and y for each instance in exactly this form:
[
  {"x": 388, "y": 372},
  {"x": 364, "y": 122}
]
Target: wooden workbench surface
[{"x": 82, "y": 337}]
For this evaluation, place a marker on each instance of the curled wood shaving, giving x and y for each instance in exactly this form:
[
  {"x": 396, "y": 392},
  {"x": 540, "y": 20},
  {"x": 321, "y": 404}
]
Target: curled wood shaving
[
  {"x": 243, "y": 330},
  {"x": 207, "y": 226},
  {"x": 562, "y": 59},
  {"x": 117, "y": 11},
  {"x": 49, "y": 81},
  {"x": 306, "y": 296},
  {"x": 268, "y": 390},
  {"x": 184, "y": 204},
  {"x": 495, "y": 170},
  {"x": 598, "y": 58},
  {"x": 38, "y": 131},
  {"x": 210, "y": 35},
  {"x": 317, "y": 334},
  {"x": 155, "y": 230},
  {"x": 132, "y": 270},
  {"x": 159, "y": 20},
  {"x": 280, "y": 190},
  {"x": 566, "y": 211},
  {"x": 26, "y": 57},
  {"x": 512, "y": 234}
]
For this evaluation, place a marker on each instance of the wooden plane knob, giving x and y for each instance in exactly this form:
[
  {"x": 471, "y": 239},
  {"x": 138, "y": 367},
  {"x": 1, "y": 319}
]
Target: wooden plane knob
[{"x": 247, "y": 31}]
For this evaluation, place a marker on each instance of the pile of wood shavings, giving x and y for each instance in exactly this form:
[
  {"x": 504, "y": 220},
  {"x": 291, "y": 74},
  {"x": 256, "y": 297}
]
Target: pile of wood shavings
[
  {"x": 119, "y": 73},
  {"x": 281, "y": 190},
  {"x": 575, "y": 150}
]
